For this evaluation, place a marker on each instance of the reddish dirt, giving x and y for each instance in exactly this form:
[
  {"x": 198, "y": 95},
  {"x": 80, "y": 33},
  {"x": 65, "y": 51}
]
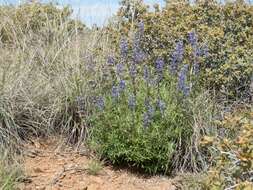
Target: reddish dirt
[{"x": 46, "y": 167}]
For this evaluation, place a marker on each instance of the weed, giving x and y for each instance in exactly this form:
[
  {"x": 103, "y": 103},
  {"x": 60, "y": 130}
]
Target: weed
[{"x": 94, "y": 167}]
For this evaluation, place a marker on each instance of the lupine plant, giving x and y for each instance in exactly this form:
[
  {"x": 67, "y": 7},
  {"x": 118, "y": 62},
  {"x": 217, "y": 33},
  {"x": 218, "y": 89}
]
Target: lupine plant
[{"x": 145, "y": 118}]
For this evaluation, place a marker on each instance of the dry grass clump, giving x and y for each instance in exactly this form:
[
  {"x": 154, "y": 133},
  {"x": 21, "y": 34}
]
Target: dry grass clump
[{"x": 42, "y": 82}]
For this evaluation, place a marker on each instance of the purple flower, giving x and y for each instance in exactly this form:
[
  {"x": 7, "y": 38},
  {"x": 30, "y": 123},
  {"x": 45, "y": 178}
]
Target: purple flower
[
  {"x": 122, "y": 85},
  {"x": 149, "y": 113},
  {"x": 159, "y": 65},
  {"x": 100, "y": 103},
  {"x": 146, "y": 73},
  {"x": 138, "y": 55},
  {"x": 182, "y": 79},
  {"x": 193, "y": 39},
  {"x": 147, "y": 117},
  {"x": 177, "y": 57},
  {"x": 132, "y": 102},
  {"x": 110, "y": 60},
  {"x": 141, "y": 28},
  {"x": 115, "y": 92},
  {"x": 196, "y": 54},
  {"x": 195, "y": 67},
  {"x": 80, "y": 103},
  {"x": 119, "y": 69},
  {"x": 148, "y": 106},
  {"x": 123, "y": 47},
  {"x": 159, "y": 69},
  {"x": 133, "y": 70},
  {"x": 146, "y": 120}
]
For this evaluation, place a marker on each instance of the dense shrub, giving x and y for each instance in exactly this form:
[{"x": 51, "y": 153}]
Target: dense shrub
[
  {"x": 146, "y": 118},
  {"x": 226, "y": 29},
  {"x": 234, "y": 161}
]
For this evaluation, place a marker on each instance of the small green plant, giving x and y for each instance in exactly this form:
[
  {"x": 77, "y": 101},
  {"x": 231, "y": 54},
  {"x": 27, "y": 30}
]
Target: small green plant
[
  {"x": 94, "y": 167},
  {"x": 8, "y": 177}
]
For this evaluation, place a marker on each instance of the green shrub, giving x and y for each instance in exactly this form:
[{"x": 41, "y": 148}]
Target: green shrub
[
  {"x": 226, "y": 29},
  {"x": 8, "y": 176},
  {"x": 147, "y": 118},
  {"x": 122, "y": 138},
  {"x": 94, "y": 167}
]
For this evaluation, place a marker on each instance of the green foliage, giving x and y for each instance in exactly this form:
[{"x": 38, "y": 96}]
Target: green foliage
[
  {"x": 94, "y": 167},
  {"x": 234, "y": 160},
  {"x": 8, "y": 177},
  {"x": 119, "y": 135},
  {"x": 150, "y": 125},
  {"x": 226, "y": 29},
  {"x": 121, "y": 138}
]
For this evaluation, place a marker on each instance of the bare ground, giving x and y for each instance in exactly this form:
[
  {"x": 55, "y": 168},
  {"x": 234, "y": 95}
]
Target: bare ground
[{"x": 46, "y": 167}]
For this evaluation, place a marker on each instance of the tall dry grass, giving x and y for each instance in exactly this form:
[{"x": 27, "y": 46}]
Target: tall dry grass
[{"x": 46, "y": 85}]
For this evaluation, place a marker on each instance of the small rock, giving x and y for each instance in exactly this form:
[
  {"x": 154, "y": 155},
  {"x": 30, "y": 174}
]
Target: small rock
[
  {"x": 37, "y": 170},
  {"x": 40, "y": 188}
]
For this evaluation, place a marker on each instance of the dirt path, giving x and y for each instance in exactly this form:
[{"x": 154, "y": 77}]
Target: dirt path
[{"x": 47, "y": 168}]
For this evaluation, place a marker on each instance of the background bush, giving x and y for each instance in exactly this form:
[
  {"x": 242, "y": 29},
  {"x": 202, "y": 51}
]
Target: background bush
[
  {"x": 234, "y": 163},
  {"x": 226, "y": 30},
  {"x": 45, "y": 20}
]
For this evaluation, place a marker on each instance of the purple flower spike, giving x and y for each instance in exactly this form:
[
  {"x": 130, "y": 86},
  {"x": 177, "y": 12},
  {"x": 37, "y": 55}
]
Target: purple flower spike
[
  {"x": 133, "y": 70},
  {"x": 123, "y": 47},
  {"x": 146, "y": 120},
  {"x": 115, "y": 92},
  {"x": 122, "y": 85},
  {"x": 138, "y": 53},
  {"x": 100, "y": 103},
  {"x": 195, "y": 67},
  {"x": 146, "y": 73},
  {"x": 141, "y": 28},
  {"x": 148, "y": 115},
  {"x": 138, "y": 56},
  {"x": 159, "y": 65},
  {"x": 177, "y": 57},
  {"x": 159, "y": 69},
  {"x": 193, "y": 39},
  {"x": 110, "y": 60},
  {"x": 182, "y": 79},
  {"x": 119, "y": 69},
  {"x": 132, "y": 102}
]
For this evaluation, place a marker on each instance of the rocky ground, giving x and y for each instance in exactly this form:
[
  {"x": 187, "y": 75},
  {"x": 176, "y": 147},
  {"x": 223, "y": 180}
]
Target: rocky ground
[{"x": 48, "y": 167}]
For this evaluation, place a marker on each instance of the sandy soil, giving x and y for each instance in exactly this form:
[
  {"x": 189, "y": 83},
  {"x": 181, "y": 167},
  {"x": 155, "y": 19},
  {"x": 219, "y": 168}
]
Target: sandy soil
[{"x": 48, "y": 168}]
